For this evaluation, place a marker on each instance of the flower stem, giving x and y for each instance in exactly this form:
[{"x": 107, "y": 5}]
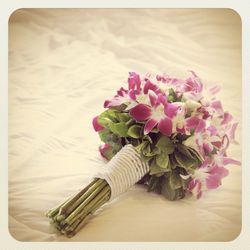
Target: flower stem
[{"x": 70, "y": 216}]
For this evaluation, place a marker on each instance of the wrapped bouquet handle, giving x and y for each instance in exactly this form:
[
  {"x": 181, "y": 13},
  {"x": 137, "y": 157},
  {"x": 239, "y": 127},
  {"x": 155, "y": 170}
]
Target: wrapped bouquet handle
[
  {"x": 122, "y": 172},
  {"x": 167, "y": 133}
]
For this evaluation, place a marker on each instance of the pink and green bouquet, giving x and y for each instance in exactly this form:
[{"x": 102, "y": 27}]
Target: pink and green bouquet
[{"x": 166, "y": 133}]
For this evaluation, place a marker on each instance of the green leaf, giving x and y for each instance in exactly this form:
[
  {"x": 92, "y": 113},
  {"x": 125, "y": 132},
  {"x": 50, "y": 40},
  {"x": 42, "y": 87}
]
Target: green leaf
[
  {"x": 165, "y": 145},
  {"x": 169, "y": 192},
  {"x": 104, "y": 135},
  {"x": 119, "y": 128},
  {"x": 185, "y": 162},
  {"x": 184, "y": 150},
  {"x": 123, "y": 117},
  {"x": 172, "y": 161},
  {"x": 159, "y": 174},
  {"x": 195, "y": 154},
  {"x": 135, "y": 142},
  {"x": 130, "y": 122},
  {"x": 135, "y": 131},
  {"x": 109, "y": 153},
  {"x": 107, "y": 116},
  {"x": 156, "y": 169},
  {"x": 153, "y": 181},
  {"x": 175, "y": 181},
  {"x": 170, "y": 98},
  {"x": 146, "y": 158},
  {"x": 114, "y": 138},
  {"x": 162, "y": 160},
  {"x": 147, "y": 151},
  {"x": 148, "y": 138},
  {"x": 156, "y": 150},
  {"x": 141, "y": 146}
]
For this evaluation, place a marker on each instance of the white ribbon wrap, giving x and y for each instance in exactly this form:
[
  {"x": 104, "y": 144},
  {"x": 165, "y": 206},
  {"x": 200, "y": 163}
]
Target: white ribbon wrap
[{"x": 123, "y": 170}]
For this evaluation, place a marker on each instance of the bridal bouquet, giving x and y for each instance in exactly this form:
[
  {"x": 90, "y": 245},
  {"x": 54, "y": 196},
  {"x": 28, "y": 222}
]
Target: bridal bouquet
[{"x": 167, "y": 133}]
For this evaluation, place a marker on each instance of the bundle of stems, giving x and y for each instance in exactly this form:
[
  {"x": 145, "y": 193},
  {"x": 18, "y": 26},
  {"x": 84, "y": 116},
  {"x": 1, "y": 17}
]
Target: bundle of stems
[{"x": 70, "y": 216}]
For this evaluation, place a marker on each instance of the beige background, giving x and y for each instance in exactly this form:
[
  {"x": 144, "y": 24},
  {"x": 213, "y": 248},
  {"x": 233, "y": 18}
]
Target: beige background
[{"x": 63, "y": 63}]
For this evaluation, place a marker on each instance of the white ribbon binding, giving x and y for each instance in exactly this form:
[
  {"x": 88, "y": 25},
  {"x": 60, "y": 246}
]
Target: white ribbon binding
[{"x": 124, "y": 170}]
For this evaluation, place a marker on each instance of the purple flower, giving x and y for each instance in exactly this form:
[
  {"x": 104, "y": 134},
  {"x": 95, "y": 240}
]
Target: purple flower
[
  {"x": 97, "y": 126},
  {"x": 134, "y": 82},
  {"x": 209, "y": 174},
  {"x": 124, "y": 96},
  {"x": 159, "y": 114},
  {"x": 193, "y": 84}
]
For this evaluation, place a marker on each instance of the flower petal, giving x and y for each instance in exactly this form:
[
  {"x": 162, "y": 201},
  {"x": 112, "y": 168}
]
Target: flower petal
[
  {"x": 97, "y": 126},
  {"x": 158, "y": 77},
  {"x": 193, "y": 83},
  {"x": 192, "y": 122},
  {"x": 213, "y": 181},
  {"x": 212, "y": 129},
  {"x": 170, "y": 110},
  {"x": 141, "y": 112},
  {"x": 152, "y": 97},
  {"x": 214, "y": 90},
  {"x": 131, "y": 105},
  {"x": 200, "y": 126},
  {"x": 227, "y": 160},
  {"x": 220, "y": 171},
  {"x": 134, "y": 82},
  {"x": 208, "y": 147},
  {"x": 225, "y": 143},
  {"x": 150, "y": 124},
  {"x": 122, "y": 92},
  {"x": 231, "y": 132},
  {"x": 132, "y": 95},
  {"x": 206, "y": 163},
  {"x": 217, "y": 106},
  {"x": 217, "y": 144},
  {"x": 116, "y": 101},
  {"x": 227, "y": 118},
  {"x": 149, "y": 85},
  {"x": 191, "y": 184},
  {"x": 165, "y": 126},
  {"x": 195, "y": 187},
  {"x": 106, "y": 103}
]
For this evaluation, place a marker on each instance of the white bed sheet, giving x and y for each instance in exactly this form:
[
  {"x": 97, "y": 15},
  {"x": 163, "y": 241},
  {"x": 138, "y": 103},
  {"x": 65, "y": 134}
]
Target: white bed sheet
[{"x": 62, "y": 65}]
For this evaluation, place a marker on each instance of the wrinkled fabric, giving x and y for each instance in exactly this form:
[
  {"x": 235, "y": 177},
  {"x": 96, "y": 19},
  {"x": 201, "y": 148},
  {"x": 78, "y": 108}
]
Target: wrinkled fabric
[{"x": 63, "y": 64}]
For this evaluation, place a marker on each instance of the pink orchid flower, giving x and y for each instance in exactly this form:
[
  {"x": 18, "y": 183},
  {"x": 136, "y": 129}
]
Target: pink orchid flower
[
  {"x": 126, "y": 96},
  {"x": 208, "y": 176},
  {"x": 165, "y": 83},
  {"x": 210, "y": 173},
  {"x": 204, "y": 138},
  {"x": 159, "y": 114},
  {"x": 221, "y": 121},
  {"x": 192, "y": 88},
  {"x": 221, "y": 159},
  {"x": 150, "y": 86},
  {"x": 193, "y": 84}
]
